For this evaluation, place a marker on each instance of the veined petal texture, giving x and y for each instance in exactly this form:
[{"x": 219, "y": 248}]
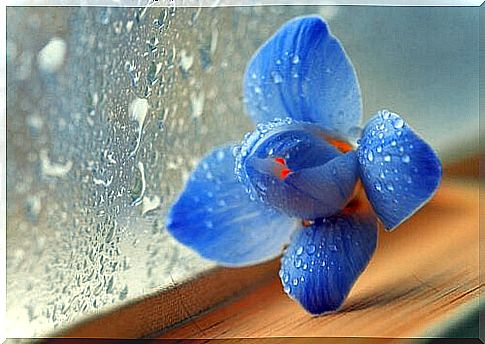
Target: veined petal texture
[
  {"x": 399, "y": 170},
  {"x": 302, "y": 72},
  {"x": 324, "y": 260},
  {"x": 215, "y": 216}
]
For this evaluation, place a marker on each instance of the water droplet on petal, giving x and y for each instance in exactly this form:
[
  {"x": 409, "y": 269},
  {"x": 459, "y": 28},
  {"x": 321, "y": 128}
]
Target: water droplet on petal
[
  {"x": 295, "y": 59},
  {"x": 295, "y": 281},
  {"x": 220, "y": 155},
  {"x": 398, "y": 123},
  {"x": 387, "y": 158},
  {"x": 298, "y": 262},
  {"x": 406, "y": 159},
  {"x": 311, "y": 249},
  {"x": 299, "y": 251},
  {"x": 370, "y": 156},
  {"x": 277, "y": 78},
  {"x": 378, "y": 186}
]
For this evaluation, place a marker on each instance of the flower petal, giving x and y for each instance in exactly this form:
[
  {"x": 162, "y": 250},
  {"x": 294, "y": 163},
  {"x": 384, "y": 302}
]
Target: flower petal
[
  {"x": 215, "y": 216},
  {"x": 324, "y": 260},
  {"x": 302, "y": 72},
  {"x": 291, "y": 166},
  {"x": 400, "y": 171},
  {"x": 324, "y": 190}
]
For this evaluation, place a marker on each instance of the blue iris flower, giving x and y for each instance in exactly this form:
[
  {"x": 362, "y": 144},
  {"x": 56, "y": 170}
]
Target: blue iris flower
[{"x": 298, "y": 180}]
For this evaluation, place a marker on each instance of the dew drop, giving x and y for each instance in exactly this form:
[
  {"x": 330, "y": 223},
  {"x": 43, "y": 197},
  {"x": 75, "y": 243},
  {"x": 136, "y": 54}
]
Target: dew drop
[
  {"x": 287, "y": 289},
  {"x": 378, "y": 186},
  {"x": 220, "y": 155},
  {"x": 295, "y": 281},
  {"x": 298, "y": 262},
  {"x": 332, "y": 248},
  {"x": 387, "y": 158},
  {"x": 370, "y": 156},
  {"x": 299, "y": 251},
  {"x": 295, "y": 59},
  {"x": 305, "y": 266},
  {"x": 323, "y": 264},
  {"x": 385, "y": 114},
  {"x": 277, "y": 78},
  {"x": 406, "y": 159},
  {"x": 311, "y": 249},
  {"x": 379, "y": 149},
  {"x": 398, "y": 123},
  {"x": 390, "y": 187}
]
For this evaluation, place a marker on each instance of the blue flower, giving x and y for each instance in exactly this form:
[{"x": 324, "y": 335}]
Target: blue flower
[{"x": 297, "y": 180}]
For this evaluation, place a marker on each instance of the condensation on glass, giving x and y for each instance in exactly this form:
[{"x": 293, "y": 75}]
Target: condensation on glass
[{"x": 109, "y": 109}]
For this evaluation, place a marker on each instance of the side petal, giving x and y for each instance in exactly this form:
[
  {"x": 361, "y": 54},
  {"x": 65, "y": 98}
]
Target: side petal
[
  {"x": 215, "y": 216},
  {"x": 302, "y": 72},
  {"x": 400, "y": 171},
  {"x": 324, "y": 260}
]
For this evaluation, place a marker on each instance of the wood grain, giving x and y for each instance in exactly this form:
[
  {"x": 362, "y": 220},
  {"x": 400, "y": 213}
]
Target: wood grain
[{"x": 421, "y": 275}]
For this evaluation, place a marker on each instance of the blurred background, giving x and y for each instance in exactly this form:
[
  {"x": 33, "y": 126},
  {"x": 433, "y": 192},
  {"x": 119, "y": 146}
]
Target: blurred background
[{"x": 109, "y": 109}]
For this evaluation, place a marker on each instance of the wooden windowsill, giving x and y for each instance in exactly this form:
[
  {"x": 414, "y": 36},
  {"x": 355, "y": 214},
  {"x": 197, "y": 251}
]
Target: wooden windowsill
[{"x": 422, "y": 274}]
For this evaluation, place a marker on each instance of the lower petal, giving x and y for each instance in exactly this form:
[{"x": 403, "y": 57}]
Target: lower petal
[
  {"x": 324, "y": 260},
  {"x": 400, "y": 171},
  {"x": 215, "y": 216}
]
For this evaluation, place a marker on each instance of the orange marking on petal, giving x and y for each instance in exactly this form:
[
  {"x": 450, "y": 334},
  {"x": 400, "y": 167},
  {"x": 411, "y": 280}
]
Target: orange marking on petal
[
  {"x": 342, "y": 146},
  {"x": 280, "y": 161},
  {"x": 284, "y": 173}
]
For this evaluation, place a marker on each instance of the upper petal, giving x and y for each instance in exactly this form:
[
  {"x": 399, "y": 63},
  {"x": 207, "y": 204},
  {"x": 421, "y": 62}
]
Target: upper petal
[
  {"x": 324, "y": 260},
  {"x": 302, "y": 72},
  {"x": 400, "y": 171},
  {"x": 291, "y": 166},
  {"x": 215, "y": 216}
]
